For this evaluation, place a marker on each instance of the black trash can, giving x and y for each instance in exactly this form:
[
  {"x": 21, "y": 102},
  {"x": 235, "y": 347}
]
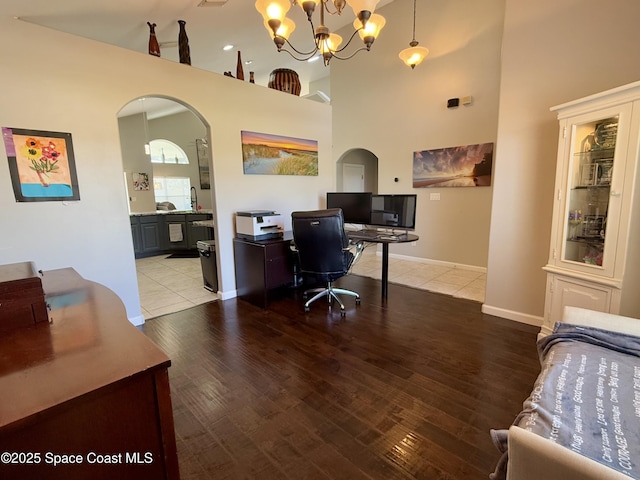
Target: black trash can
[{"x": 207, "y": 253}]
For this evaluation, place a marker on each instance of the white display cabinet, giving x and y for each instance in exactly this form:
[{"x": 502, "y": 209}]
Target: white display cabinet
[{"x": 594, "y": 259}]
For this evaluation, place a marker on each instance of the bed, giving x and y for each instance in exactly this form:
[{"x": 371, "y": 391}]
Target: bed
[{"x": 582, "y": 418}]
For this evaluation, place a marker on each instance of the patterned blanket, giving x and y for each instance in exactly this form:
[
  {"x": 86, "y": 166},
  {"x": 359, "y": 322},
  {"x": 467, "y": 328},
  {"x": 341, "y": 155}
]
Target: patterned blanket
[{"x": 586, "y": 398}]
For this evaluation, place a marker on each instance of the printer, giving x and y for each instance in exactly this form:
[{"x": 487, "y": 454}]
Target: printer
[{"x": 259, "y": 224}]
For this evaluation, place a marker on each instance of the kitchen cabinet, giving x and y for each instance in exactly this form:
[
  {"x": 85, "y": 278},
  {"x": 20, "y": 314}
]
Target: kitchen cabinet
[
  {"x": 136, "y": 235},
  {"x": 196, "y": 233},
  {"x": 594, "y": 257},
  {"x": 151, "y": 233}
]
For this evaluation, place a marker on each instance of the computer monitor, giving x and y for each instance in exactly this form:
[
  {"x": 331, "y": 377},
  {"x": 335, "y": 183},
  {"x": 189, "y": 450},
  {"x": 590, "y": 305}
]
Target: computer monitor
[
  {"x": 356, "y": 206},
  {"x": 394, "y": 211}
]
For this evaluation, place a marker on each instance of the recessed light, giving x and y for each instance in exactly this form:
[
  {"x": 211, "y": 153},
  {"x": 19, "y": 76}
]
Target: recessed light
[
  {"x": 248, "y": 62},
  {"x": 227, "y": 47}
]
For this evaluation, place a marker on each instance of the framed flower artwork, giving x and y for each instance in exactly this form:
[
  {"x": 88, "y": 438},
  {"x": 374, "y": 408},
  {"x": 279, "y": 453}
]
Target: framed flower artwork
[{"x": 41, "y": 164}]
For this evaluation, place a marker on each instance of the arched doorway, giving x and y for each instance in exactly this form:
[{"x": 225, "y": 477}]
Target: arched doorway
[
  {"x": 163, "y": 192},
  {"x": 354, "y": 163}
]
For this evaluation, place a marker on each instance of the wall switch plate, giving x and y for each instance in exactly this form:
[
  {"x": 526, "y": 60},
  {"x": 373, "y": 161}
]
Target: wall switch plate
[
  {"x": 434, "y": 196},
  {"x": 467, "y": 100}
]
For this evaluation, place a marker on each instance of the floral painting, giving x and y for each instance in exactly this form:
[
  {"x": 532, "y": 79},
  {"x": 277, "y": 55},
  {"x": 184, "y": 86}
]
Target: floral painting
[
  {"x": 266, "y": 154},
  {"x": 463, "y": 166},
  {"x": 41, "y": 164},
  {"x": 140, "y": 181}
]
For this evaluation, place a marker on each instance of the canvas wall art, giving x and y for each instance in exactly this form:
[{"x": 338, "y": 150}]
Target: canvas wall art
[
  {"x": 41, "y": 164},
  {"x": 202, "y": 150},
  {"x": 140, "y": 181},
  {"x": 266, "y": 154},
  {"x": 463, "y": 166}
]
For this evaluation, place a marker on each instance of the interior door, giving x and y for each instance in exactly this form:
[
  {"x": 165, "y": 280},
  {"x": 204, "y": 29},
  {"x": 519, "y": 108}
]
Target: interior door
[{"x": 352, "y": 177}]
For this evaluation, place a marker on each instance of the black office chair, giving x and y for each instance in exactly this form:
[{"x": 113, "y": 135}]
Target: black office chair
[{"x": 323, "y": 250}]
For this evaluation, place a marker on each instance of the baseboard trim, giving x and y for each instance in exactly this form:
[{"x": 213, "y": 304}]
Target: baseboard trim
[
  {"x": 227, "y": 295},
  {"x": 511, "y": 315},
  {"x": 137, "y": 320},
  {"x": 429, "y": 261}
]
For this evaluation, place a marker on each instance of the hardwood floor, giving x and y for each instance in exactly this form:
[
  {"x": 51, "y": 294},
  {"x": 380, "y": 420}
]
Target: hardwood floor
[{"x": 406, "y": 388}]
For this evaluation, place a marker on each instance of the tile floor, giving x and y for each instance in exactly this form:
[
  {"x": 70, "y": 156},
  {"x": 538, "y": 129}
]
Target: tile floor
[
  {"x": 168, "y": 285},
  {"x": 455, "y": 281}
]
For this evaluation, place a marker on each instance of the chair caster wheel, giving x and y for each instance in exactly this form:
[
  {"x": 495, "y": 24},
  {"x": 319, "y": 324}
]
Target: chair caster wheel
[
  {"x": 306, "y": 309},
  {"x": 343, "y": 313},
  {"x": 358, "y": 301}
]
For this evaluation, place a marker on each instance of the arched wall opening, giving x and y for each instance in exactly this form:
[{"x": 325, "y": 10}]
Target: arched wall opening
[{"x": 353, "y": 163}]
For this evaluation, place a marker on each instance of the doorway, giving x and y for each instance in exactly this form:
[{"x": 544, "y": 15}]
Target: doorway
[
  {"x": 357, "y": 171},
  {"x": 166, "y": 285},
  {"x": 352, "y": 177}
]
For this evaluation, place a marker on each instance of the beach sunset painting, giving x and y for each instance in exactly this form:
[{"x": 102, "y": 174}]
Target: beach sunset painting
[
  {"x": 266, "y": 154},
  {"x": 463, "y": 166}
]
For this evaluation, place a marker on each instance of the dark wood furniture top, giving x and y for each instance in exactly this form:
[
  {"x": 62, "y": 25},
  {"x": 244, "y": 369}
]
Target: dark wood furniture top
[
  {"x": 21, "y": 296},
  {"x": 87, "y": 382}
]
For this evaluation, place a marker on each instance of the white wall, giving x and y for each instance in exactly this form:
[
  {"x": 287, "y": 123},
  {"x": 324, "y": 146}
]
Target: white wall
[
  {"x": 383, "y": 106},
  {"x": 182, "y": 129},
  {"x": 81, "y": 90},
  {"x": 553, "y": 52},
  {"x": 134, "y": 160}
]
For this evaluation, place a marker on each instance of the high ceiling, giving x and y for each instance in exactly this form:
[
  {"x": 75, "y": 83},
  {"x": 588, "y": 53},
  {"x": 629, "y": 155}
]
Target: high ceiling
[{"x": 209, "y": 28}]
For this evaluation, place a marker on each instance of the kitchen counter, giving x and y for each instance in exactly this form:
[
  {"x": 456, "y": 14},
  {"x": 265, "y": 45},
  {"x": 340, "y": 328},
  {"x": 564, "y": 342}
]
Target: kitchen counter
[
  {"x": 173, "y": 212},
  {"x": 203, "y": 223}
]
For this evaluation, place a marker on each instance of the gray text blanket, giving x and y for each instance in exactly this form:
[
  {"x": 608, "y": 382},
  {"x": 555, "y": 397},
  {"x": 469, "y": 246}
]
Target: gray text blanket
[{"x": 586, "y": 398}]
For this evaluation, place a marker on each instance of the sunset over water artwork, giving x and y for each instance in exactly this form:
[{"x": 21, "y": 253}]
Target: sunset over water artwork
[{"x": 463, "y": 166}]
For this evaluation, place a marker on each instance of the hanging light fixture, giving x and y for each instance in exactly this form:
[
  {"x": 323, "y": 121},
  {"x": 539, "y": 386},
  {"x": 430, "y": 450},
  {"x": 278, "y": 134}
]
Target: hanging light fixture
[
  {"x": 279, "y": 26},
  {"x": 414, "y": 55}
]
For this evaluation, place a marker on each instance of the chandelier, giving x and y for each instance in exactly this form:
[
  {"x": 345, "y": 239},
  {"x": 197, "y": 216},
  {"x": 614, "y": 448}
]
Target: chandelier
[
  {"x": 367, "y": 24},
  {"x": 413, "y": 55}
]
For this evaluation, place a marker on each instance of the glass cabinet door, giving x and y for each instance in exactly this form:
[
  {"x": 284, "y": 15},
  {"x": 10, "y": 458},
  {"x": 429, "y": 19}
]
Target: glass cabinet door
[{"x": 591, "y": 167}]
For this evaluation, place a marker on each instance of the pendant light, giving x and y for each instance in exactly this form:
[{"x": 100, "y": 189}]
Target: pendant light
[{"x": 414, "y": 55}]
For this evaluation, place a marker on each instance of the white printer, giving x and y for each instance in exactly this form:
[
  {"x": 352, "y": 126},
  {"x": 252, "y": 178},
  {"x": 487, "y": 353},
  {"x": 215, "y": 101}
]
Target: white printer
[{"x": 259, "y": 224}]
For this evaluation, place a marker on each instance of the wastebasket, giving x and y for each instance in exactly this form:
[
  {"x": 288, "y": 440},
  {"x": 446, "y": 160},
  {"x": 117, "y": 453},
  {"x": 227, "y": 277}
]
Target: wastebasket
[{"x": 207, "y": 253}]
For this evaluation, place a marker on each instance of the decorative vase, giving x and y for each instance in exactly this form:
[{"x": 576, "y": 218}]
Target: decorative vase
[
  {"x": 183, "y": 44},
  {"x": 251, "y": 78},
  {"x": 285, "y": 80},
  {"x": 239, "y": 70},
  {"x": 154, "y": 47},
  {"x": 44, "y": 179}
]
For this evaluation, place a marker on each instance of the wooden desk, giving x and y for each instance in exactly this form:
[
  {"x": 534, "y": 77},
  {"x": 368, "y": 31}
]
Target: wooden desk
[
  {"x": 90, "y": 385},
  {"x": 262, "y": 266},
  {"x": 385, "y": 240}
]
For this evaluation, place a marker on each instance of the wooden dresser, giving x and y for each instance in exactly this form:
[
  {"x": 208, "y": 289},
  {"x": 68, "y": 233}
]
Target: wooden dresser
[{"x": 88, "y": 390}]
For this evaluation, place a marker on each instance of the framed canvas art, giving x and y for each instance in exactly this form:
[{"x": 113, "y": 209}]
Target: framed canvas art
[
  {"x": 202, "y": 148},
  {"x": 267, "y": 154},
  {"x": 41, "y": 164},
  {"x": 463, "y": 166}
]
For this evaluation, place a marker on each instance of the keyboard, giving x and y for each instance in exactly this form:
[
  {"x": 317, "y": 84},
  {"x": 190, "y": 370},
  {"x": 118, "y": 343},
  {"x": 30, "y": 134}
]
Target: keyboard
[{"x": 364, "y": 234}]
